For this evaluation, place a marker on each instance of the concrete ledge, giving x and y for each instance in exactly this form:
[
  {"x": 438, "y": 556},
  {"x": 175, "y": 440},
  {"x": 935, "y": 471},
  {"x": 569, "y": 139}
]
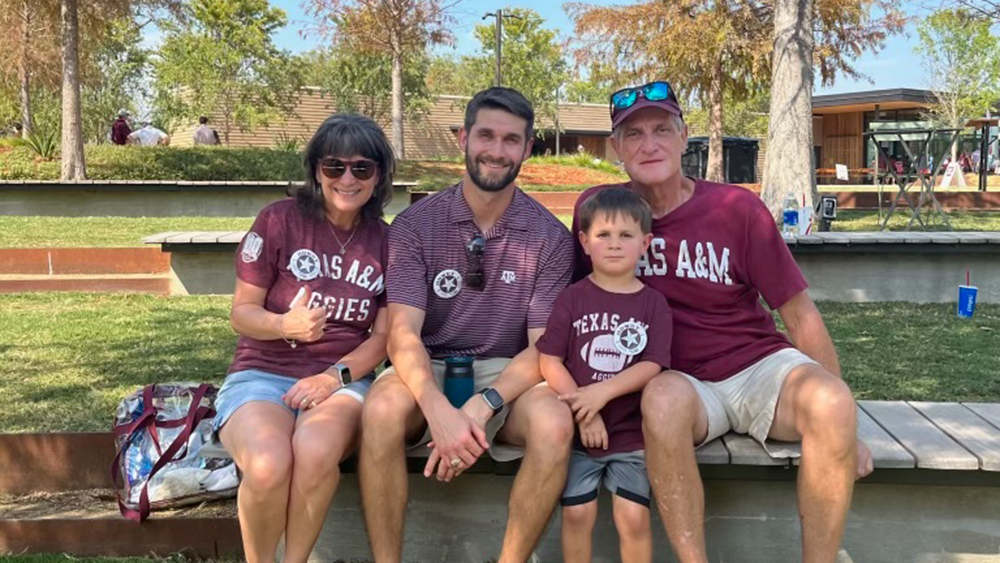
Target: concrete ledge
[{"x": 847, "y": 267}]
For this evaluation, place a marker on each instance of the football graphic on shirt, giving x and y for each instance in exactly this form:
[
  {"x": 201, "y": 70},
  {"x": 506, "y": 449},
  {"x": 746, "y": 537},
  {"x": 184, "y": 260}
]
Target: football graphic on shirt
[{"x": 602, "y": 355}]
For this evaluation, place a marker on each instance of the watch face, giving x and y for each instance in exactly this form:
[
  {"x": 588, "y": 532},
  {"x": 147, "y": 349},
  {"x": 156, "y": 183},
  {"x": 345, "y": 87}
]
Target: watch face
[
  {"x": 493, "y": 399},
  {"x": 345, "y": 374}
]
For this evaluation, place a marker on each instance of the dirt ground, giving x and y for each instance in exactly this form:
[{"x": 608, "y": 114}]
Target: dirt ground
[{"x": 97, "y": 503}]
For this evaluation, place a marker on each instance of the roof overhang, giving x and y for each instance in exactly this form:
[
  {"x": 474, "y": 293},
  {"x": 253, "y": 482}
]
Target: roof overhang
[{"x": 852, "y": 102}]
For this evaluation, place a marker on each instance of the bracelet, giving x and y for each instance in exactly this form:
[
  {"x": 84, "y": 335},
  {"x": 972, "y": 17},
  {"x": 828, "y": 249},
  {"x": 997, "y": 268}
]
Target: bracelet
[{"x": 281, "y": 330}]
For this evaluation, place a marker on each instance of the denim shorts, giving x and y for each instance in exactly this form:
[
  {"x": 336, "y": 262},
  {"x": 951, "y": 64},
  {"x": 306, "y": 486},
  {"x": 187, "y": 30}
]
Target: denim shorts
[{"x": 242, "y": 387}]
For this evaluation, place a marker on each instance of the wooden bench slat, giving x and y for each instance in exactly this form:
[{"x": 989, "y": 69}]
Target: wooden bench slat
[
  {"x": 886, "y": 452},
  {"x": 183, "y": 237},
  {"x": 159, "y": 238},
  {"x": 744, "y": 450},
  {"x": 713, "y": 453},
  {"x": 233, "y": 237},
  {"x": 932, "y": 448},
  {"x": 988, "y": 411},
  {"x": 968, "y": 429},
  {"x": 210, "y": 236}
]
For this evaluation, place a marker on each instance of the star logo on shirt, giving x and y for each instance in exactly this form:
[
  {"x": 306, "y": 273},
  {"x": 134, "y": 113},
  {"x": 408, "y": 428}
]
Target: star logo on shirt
[
  {"x": 447, "y": 284},
  {"x": 304, "y": 264},
  {"x": 630, "y": 338}
]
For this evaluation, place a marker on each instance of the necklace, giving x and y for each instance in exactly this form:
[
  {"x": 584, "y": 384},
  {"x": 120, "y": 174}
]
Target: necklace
[{"x": 343, "y": 245}]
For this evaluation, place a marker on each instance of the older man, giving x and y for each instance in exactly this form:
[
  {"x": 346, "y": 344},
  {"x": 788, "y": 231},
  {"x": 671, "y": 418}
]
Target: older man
[
  {"x": 715, "y": 252},
  {"x": 473, "y": 271}
]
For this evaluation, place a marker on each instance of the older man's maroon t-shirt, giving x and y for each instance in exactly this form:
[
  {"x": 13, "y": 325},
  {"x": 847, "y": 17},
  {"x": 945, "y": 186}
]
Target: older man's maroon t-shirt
[
  {"x": 598, "y": 334},
  {"x": 713, "y": 258},
  {"x": 288, "y": 253}
]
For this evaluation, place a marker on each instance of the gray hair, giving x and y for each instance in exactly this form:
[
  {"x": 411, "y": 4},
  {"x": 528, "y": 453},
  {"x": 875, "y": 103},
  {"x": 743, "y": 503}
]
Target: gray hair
[{"x": 678, "y": 122}]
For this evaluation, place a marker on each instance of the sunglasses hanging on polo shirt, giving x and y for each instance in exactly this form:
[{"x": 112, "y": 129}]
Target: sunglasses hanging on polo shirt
[{"x": 475, "y": 276}]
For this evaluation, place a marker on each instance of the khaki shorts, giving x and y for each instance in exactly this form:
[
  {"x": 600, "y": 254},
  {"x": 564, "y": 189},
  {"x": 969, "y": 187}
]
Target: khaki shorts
[
  {"x": 746, "y": 402},
  {"x": 487, "y": 370}
]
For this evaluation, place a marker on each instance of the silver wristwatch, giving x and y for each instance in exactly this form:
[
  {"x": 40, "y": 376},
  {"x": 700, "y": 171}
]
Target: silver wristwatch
[{"x": 344, "y": 373}]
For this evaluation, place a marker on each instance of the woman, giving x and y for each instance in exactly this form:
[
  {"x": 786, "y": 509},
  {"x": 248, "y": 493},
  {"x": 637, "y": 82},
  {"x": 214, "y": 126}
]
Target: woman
[{"x": 310, "y": 310}]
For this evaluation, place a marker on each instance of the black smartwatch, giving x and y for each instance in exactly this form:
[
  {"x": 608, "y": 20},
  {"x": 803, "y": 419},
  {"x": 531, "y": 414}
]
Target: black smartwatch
[
  {"x": 344, "y": 372},
  {"x": 492, "y": 398}
]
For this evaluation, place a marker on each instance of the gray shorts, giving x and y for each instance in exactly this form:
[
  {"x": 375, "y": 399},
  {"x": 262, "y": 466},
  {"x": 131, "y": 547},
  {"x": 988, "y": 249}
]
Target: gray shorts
[{"x": 623, "y": 474}]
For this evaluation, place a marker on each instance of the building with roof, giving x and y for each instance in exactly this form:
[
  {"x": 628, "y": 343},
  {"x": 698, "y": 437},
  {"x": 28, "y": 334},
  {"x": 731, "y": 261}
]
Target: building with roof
[{"x": 435, "y": 134}]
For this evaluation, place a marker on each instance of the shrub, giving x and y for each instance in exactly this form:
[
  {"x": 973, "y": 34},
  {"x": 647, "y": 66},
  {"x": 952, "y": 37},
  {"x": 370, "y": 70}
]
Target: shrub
[
  {"x": 287, "y": 143},
  {"x": 204, "y": 163},
  {"x": 43, "y": 143}
]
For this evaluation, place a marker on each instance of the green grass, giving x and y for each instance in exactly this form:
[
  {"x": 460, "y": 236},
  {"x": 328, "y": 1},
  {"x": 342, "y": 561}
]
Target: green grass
[
  {"x": 67, "y": 232},
  {"x": 960, "y": 221},
  {"x": 66, "y": 359}
]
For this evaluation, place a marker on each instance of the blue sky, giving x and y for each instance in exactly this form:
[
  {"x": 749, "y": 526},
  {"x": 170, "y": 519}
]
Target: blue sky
[{"x": 894, "y": 67}]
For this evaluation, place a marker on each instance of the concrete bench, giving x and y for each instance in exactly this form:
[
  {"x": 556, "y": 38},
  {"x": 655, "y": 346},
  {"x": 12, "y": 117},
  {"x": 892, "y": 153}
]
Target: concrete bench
[
  {"x": 144, "y": 198},
  {"x": 849, "y": 267},
  {"x": 934, "y": 498}
]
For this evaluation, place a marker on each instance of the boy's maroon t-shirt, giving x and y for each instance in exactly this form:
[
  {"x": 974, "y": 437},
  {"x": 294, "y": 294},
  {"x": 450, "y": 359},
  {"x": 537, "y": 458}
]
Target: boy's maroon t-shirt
[
  {"x": 287, "y": 253},
  {"x": 598, "y": 334},
  {"x": 713, "y": 258}
]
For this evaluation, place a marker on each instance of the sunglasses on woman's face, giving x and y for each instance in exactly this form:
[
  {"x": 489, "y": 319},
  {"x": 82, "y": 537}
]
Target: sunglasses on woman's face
[
  {"x": 334, "y": 168},
  {"x": 475, "y": 276}
]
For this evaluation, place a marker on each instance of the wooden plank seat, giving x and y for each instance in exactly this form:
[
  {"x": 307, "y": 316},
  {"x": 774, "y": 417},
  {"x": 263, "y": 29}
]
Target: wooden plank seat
[{"x": 900, "y": 435}]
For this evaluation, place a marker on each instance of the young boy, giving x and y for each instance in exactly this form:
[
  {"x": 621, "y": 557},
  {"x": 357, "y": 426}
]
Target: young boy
[{"x": 608, "y": 335}]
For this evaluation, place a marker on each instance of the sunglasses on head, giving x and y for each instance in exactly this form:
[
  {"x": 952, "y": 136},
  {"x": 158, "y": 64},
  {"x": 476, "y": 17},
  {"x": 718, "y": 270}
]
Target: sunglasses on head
[
  {"x": 654, "y": 92},
  {"x": 334, "y": 168},
  {"x": 475, "y": 276}
]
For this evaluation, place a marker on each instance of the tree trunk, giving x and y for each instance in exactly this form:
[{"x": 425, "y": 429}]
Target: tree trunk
[
  {"x": 715, "y": 172},
  {"x": 25, "y": 71},
  {"x": 397, "y": 104},
  {"x": 789, "y": 166},
  {"x": 73, "y": 166}
]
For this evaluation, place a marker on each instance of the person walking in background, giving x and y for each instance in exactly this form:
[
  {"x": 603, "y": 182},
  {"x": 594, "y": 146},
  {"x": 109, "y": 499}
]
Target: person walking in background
[
  {"x": 205, "y": 135},
  {"x": 148, "y": 136},
  {"x": 120, "y": 129}
]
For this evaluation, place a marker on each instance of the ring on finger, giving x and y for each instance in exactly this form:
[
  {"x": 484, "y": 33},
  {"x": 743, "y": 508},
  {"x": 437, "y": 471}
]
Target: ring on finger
[{"x": 456, "y": 463}]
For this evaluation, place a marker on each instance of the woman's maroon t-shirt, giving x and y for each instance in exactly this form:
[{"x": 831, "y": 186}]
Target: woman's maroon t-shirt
[
  {"x": 287, "y": 253},
  {"x": 598, "y": 334}
]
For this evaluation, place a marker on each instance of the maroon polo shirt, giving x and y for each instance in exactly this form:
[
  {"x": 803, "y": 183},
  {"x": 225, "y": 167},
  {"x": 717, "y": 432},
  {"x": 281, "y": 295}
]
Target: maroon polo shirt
[
  {"x": 527, "y": 261},
  {"x": 713, "y": 258}
]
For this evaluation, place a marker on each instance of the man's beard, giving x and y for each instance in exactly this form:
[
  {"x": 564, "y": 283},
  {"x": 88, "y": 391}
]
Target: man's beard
[{"x": 487, "y": 183}]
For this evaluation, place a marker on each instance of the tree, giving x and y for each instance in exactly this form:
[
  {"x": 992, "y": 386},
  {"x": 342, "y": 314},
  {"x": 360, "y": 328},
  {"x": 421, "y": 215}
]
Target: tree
[
  {"x": 28, "y": 35},
  {"x": 361, "y": 82},
  {"x": 714, "y": 47},
  {"x": 989, "y": 9},
  {"x": 745, "y": 116},
  {"x": 73, "y": 164},
  {"x": 114, "y": 79},
  {"x": 223, "y": 60},
  {"x": 397, "y": 28},
  {"x": 962, "y": 61},
  {"x": 532, "y": 59}
]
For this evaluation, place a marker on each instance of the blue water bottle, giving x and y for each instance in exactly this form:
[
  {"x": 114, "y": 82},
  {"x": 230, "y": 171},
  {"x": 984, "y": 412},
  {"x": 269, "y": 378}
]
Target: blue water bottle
[{"x": 459, "y": 380}]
